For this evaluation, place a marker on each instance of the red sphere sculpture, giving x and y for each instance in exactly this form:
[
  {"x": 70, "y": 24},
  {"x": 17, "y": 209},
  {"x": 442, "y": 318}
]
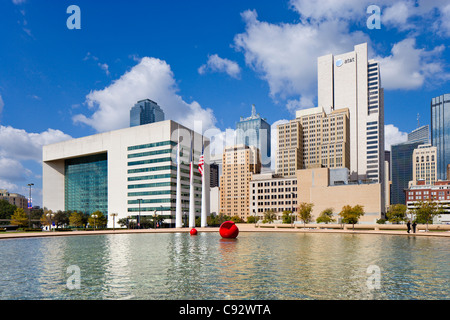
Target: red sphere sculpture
[
  {"x": 229, "y": 230},
  {"x": 193, "y": 232}
]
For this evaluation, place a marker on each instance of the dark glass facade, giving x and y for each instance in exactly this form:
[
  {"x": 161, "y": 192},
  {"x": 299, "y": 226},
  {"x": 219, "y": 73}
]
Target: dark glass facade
[
  {"x": 144, "y": 112},
  {"x": 440, "y": 132},
  {"x": 86, "y": 184},
  {"x": 401, "y": 169}
]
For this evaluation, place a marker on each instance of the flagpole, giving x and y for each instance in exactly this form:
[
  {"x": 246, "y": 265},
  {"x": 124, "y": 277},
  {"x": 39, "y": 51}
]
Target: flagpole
[
  {"x": 203, "y": 210},
  {"x": 178, "y": 213},
  {"x": 191, "y": 190}
]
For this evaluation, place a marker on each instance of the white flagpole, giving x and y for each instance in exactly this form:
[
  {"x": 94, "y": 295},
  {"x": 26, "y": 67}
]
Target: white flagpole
[
  {"x": 203, "y": 210},
  {"x": 178, "y": 213},
  {"x": 191, "y": 190}
]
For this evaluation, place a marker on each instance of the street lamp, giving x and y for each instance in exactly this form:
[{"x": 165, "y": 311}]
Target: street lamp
[
  {"x": 30, "y": 206},
  {"x": 50, "y": 216},
  {"x": 94, "y": 216},
  {"x": 114, "y": 215},
  {"x": 139, "y": 219}
]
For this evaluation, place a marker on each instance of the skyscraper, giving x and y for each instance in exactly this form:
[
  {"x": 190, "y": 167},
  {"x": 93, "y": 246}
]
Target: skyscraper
[
  {"x": 440, "y": 132},
  {"x": 352, "y": 81},
  {"x": 402, "y": 163},
  {"x": 145, "y": 112},
  {"x": 255, "y": 131}
]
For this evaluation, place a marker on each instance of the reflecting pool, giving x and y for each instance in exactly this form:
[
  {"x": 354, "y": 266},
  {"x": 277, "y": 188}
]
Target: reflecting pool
[{"x": 266, "y": 266}]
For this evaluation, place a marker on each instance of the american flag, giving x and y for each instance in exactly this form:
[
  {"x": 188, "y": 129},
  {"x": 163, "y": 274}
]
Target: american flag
[{"x": 201, "y": 162}]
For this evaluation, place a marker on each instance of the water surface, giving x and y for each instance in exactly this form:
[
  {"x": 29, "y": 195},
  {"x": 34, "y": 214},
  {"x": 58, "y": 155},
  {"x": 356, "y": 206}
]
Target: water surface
[{"x": 267, "y": 266}]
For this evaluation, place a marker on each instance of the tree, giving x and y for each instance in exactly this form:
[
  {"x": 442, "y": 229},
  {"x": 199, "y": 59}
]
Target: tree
[
  {"x": 6, "y": 210},
  {"x": 326, "y": 216},
  {"x": 305, "y": 212},
  {"x": 97, "y": 219},
  {"x": 396, "y": 213},
  {"x": 269, "y": 216},
  {"x": 19, "y": 218},
  {"x": 76, "y": 219},
  {"x": 351, "y": 214},
  {"x": 425, "y": 211}
]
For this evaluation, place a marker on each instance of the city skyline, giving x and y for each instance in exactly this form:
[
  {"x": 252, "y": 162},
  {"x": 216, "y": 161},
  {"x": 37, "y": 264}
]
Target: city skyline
[{"x": 57, "y": 84}]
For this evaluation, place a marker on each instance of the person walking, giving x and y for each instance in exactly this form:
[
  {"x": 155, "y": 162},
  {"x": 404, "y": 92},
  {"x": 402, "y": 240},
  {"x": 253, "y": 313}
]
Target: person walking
[
  {"x": 414, "y": 226},
  {"x": 408, "y": 224}
]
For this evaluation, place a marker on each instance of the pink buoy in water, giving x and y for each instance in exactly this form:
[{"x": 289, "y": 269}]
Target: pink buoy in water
[
  {"x": 228, "y": 230},
  {"x": 193, "y": 232}
]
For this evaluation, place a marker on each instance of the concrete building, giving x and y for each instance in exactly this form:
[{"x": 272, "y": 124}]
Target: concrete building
[
  {"x": 330, "y": 188},
  {"x": 424, "y": 164},
  {"x": 240, "y": 163},
  {"x": 314, "y": 139},
  {"x": 352, "y": 81},
  {"x": 255, "y": 131},
  {"x": 438, "y": 192},
  {"x": 145, "y": 112},
  {"x": 130, "y": 172},
  {"x": 16, "y": 199},
  {"x": 270, "y": 191}
]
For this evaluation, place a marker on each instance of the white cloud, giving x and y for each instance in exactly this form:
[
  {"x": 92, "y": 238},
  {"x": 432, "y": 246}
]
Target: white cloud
[
  {"x": 285, "y": 55},
  {"x": 409, "y": 67},
  {"x": 153, "y": 79},
  {"x": 392, "y": 135},
  {"x": 218, "y": 64},
  {"x": 18, "y": 1},
  {"x": 18, "y": 144}
]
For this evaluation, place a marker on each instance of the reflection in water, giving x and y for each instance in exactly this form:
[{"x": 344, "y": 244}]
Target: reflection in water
[{"x": 206, "y": 266}]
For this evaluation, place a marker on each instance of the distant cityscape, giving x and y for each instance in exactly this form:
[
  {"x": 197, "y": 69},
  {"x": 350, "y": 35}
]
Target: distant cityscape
[{"x": 331, "y": 155}]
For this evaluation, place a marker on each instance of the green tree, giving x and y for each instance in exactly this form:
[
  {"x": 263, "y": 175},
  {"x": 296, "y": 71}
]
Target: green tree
[
  {"x": 76, "y": 219},
  {"x": 269, "y": 216},
  {"x": 425, "y": 211},
  {"x": 351, "y": 214},
  {"x": 6, "y": 211},
  {"x": 251, "y": 219},
  {"x": 305, "y": 212},
  {"x": 19, "y": 218},
  {"x": 97, "y": 219},
  {"x": 396, "y": 213},
  {"x": 287, "y": 216},
  {"x": 236, "y": 219},
  {"x": 326, "y": 216}
]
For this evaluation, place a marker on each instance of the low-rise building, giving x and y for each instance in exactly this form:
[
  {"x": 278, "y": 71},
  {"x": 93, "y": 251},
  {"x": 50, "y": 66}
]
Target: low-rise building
[{"x": 270, "y": 191}]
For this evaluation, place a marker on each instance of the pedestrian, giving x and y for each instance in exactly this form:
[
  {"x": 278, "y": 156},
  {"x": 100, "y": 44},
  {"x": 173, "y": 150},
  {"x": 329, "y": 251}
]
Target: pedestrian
[
  {"x": 409, "y": 226},
  {"x": 414, "y": 226}
]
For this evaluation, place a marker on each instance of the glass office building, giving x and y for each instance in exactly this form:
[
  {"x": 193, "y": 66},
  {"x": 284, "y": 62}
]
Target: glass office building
[
  {"x": 255, "y": 131},
  {"x": 440, "y": 132},
  {"x": 145, "y": 112},
  {"x": 401, "y": 169},
  {"x": 86, "y": 184}
]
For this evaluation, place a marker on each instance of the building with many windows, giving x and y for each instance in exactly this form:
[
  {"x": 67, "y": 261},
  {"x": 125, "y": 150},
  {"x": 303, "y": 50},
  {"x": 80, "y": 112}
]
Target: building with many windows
[
  {"x": 145, "y": 112},
  {"x": 440, "y": 131},
  {"x": 239, "y": 164},
  {"x": 424, "y": 164},
  {"x": 352, "y": 81},
  {"x": 313, "y": 139},
  {"x": 255, "y": 131},
  {"x": 273, "y": 192},
  {"x": 131, "y": 172}
]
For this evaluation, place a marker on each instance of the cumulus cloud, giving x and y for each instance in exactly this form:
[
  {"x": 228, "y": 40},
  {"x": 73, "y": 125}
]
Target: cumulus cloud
[
  {"x": 409, "y": 67},
  {"x": 392, "y": 135},
  {"x": 285, "y": 55},
  {"x": 19, "y": 144},
  {"x": 218, "y": 64},
  {"x": 151, "y": 78}
]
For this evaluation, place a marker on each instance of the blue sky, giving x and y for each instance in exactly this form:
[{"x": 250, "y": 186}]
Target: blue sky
[{"x": 200, "y": 60}]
